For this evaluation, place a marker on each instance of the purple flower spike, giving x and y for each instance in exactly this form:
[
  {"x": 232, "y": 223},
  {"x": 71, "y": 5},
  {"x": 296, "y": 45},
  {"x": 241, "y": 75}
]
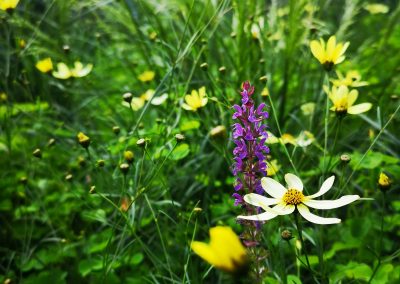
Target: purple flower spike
[{"x": 249, "y": 135}]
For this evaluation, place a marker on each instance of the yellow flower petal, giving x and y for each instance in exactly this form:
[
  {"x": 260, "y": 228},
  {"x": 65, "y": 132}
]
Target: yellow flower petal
[
  {"x": 317, "y": 50},
  {"x": 330, "y": 48},
  {"x": 352, "y": 97},
  {"x": 45, "y": 65},
  {"x": 62, "y": 71},
  {"x": 360, "y": 108}
]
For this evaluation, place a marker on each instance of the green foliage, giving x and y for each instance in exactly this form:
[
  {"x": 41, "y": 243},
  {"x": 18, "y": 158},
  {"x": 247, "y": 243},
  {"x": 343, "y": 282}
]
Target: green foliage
[{"x": 66, "y": 217}]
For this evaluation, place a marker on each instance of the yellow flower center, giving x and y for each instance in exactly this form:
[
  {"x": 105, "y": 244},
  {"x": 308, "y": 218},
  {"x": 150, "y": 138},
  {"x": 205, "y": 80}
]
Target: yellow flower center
[
  {"x": 341, "y": 106},
  {"x": 293, "y": 197}
]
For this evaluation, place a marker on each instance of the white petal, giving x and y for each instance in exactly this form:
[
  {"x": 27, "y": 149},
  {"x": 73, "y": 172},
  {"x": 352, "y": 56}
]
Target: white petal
[
  {"x": 159, "y": 100},
  {"x": 259, "y": 200},
  {"x": 314, "y": 218},
  {"x": 330, "y": 204},
  {"x": 272, "y": 187},
  {"x": 293, "y": 182},
  {"x": 283, "y": 209},
  {"x": 327, "y": 185},
  {"x": 260, "y": 217}
]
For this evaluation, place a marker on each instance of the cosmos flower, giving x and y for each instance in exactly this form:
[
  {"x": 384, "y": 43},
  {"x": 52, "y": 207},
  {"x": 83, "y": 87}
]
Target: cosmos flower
[
  {"x": 352, "y": 79},
  {"x": 224, "y": 251},
  {"x": 64, "y": 72},
  {"x": 288, "y": 199},
  {"x": 196, "y": 100},
  {"x": 146, "y": 76},
  {"x": 376, "y": 8},
  {"x": 138, "y": 102},
  {"x": 7, "y": 5},
  {"x": 45, "y": 65},
  {"x": 343, "y": 101},
  {"x": 304, "y": 139},
  {"x": 328, "y": 54}
]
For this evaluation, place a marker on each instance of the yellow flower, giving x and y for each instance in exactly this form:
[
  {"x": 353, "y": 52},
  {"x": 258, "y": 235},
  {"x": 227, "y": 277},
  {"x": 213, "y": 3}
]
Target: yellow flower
[
  {"x": 352, "y": 79},
  {"x": 146, "y": 76},
  {"x": 83, "y": 140},
  {"x": 265, "y": 92},
  {"x": 8, "y": 4},
  {"x": 64, "y": 72},
  {"x": 45, "y": 65},
  {"x": 81, "y": 71},
  {"x": 290, "y": 198},
  {"x": 384, "y": 182},
  {"x": 224, "y": 251},
  {"x": 196, "y": 100},
  {"x": 331, "y": 54},
  {"x": 304, "y": 139},
  {"x": 343, "y": 101},
  {"x": 272, "y": 168},
  {"x": 138, "y": 102},
  {"x": 376, "y": 8}
]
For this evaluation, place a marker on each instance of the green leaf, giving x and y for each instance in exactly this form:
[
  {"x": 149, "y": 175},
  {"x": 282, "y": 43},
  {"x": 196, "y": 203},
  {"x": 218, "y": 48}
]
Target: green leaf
[
  {"x": 137, "y": 258},
  {"x": 88, "y": 265},
  {"x": 371, "y": 161},
  {"x": 180, "y": 152},
  {"x": 190, "y": 125},
  {"x": 383, "y": 273},
  {"x": 293, "y": 279}
]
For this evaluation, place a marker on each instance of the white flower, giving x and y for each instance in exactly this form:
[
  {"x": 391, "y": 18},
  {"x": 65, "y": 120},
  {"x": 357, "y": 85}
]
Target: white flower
[{"x": 286, "y": 200}]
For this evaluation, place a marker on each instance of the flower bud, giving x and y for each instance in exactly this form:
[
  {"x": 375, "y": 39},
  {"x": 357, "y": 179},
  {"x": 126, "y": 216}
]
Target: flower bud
[
  {"x": 116, "y": 129},
  {"x": 23, "y": 180},
  {"x": 51, "y": 142},
  {"x": 128, "y": 156},
  {"x": 384, "y": 182},
  {"x": 204, "y": 66},
  {"x": 83, "y": 140},
  {"x": 222, "y": 69},
  {"x": 141, "y": 142},
  {"x": 345, "y": 158},
  {"x": 100, "y": 163},
  {"x": 218, "y": 131},
  {"x": 286, "y": 235},
  {"x": 124, "y": 167},
  {"x": 127, "y": 97},
  {"x": 263, "y": 79},
  {"x": 92, "y": 189},
  {"x": 37, "y": 153},
  {"x": 68, "y": 177},
  {"x": 179, "y": 137}
]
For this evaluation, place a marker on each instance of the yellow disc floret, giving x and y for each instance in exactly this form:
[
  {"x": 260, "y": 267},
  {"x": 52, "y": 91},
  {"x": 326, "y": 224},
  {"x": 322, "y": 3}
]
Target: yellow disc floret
[{"x": 293, "y": 197}]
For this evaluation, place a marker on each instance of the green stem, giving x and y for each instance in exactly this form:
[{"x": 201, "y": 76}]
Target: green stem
[
  {"x": 300, "y": 233},
  {"x": 380, "y": 238}
]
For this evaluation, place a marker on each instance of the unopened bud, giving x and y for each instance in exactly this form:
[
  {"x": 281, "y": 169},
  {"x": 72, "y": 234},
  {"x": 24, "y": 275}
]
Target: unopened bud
[
  {"x": 66, "y": 48},
  {"x": 286, "y": 235},
  {"x": 51, "y": 142},
  {"x": 218, "y": 131},
  {"x": 263, "y": 79},
  {"x": 141, "y": 142},
  {"x": 101, "y": 163},
  {"x": 68, "y": 177},
  {"x": 92, "y": 189},
  {"x": 81, "y": 161},
  {"x": 179, "y": 137},
  {"x": 23, "y": 180},
  {"x": 37, "y": 153},
  {"x": 127, "y": 97},
  {"x": 345, "y": 158},
  {"x": 384, "y": 182},
  {"x": 124, "y": 167},
  {"x": 116, "y": 129},
  {"x": 83, "y": 140},
  {"x": 222, "y": 69},
  {"x": 204, "y": 66},
  {"x": 128, "y": 156}
]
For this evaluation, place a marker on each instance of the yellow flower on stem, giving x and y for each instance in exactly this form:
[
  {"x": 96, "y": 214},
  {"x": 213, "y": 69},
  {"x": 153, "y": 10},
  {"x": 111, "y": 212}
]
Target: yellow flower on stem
[
  {"x": 329, "y": 54},
  {"x": 384, "y": 182},
  {"x": 225, "y": 251},
  {"x": 146, "y": 76},
  {"x": 196, "y": 100},
  {"x": 45, "y": 65},
  {"x": 288, "y": 199},
  {"x": 83, "y": 140},
  {"x": 352, "y": 79},
  {"x": 343, "y": 101},
  {"x": 64, "y": 72},
  {"x": 8, "y": 4}
]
